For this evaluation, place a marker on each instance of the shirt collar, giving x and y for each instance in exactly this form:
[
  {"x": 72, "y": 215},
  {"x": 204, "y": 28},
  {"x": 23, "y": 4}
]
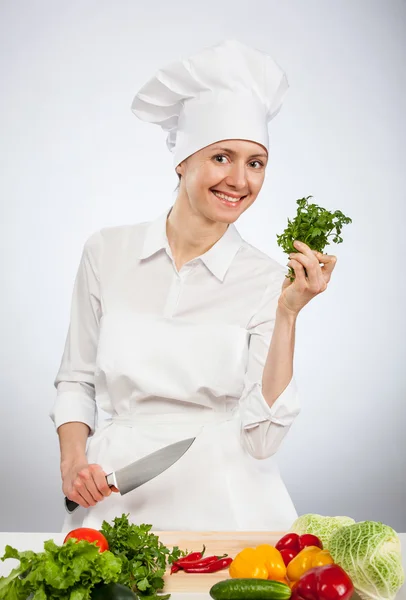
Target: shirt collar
[{"x": 217, "y": 259}]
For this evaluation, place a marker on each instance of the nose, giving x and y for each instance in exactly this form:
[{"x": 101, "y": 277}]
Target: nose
[{"x": 237, "y": 177}]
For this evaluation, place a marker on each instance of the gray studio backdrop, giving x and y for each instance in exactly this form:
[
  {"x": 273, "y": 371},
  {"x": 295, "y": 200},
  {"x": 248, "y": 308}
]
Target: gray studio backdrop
[{"x": 74, "y": 159}]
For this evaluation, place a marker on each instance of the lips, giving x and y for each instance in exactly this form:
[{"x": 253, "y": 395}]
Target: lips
[
  {"x": 229, "y": 194},
  {"x": 236, "y": 198},
  {"x": 230, "y": 204}
]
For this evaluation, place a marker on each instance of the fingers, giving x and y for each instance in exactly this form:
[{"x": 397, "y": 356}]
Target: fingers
[
  {"x": 312, "y": 266},
  {"x": 307, "y": 257},
  {"x": 302, "y": 247},
  {"x": 99, "y": 477},
  {"x": 89, "y": 486},
  {"x": 300, "y": 276},
  {"x": 79, "y": 499},
  {"x": 329, "y": 261}
]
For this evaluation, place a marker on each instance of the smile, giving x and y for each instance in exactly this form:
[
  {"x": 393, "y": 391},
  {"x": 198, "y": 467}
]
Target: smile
[{"x": 227, "y": 198}]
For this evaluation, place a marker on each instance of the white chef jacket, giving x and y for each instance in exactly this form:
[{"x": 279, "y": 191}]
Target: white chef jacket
[{"x": 169, "y": 355}]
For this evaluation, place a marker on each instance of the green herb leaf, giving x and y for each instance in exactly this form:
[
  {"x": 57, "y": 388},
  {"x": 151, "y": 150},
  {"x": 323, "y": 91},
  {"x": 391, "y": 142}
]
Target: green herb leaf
[
  {"x": 312, "y": 225},
  {"x": 144, "y": 557}
]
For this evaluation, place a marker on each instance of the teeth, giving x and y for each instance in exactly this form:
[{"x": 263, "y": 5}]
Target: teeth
[{"x": 219, "y": 195}]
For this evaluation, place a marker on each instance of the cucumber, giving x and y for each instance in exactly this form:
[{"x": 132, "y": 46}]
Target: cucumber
[
  {"x": 250, "y": 589},
  {"x": 113, "y": 591}
]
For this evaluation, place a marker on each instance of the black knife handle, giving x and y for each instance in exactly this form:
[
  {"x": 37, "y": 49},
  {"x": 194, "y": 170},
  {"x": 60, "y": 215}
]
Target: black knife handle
[{"x": 70, "y": 505}]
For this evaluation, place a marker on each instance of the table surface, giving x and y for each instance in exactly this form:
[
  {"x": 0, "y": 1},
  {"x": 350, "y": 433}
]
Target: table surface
[{"x": 181, "y": 585}]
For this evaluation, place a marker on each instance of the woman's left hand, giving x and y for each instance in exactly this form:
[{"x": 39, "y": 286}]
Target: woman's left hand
[{"x": 295, "y": 295}]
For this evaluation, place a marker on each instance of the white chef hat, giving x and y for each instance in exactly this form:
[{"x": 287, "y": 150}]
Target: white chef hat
[{"x": 228, "y": 91}]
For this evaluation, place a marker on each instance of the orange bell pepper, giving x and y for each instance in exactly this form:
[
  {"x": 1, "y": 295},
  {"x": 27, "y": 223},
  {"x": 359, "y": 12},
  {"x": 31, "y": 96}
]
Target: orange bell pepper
[
  {"x": 248, "y": 563},
  {"x": 309, "y": 557}
]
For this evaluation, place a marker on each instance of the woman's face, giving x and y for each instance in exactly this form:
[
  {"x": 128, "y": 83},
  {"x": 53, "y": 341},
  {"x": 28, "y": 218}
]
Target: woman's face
[{"x": 233, "y": 167}]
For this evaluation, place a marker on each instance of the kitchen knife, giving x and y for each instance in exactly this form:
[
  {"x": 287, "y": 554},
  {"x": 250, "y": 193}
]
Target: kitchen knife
[{"x": 139, "y": 472}]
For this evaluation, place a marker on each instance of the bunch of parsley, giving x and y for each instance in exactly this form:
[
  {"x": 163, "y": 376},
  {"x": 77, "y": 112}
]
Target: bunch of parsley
[
  {"x": 312, "y": 225},
  {"x": 68, "y": 572},
  {"x": 144, "y": 558}
]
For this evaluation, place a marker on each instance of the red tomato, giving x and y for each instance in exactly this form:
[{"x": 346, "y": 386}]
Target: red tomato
[
  {"x": 307, "y": 539},
  {"x": 290, "y": 541},
  {"x": 90, "y": 535}
]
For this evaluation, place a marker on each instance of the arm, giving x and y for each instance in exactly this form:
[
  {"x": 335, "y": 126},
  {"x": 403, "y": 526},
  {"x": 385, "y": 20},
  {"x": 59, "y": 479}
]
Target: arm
[
  {"x": 75, "y": 401},
  {"x": 74, "y": 411},
  {"x": 278, "y": 370},
  {"x": 72, "y": 442},
  {"x": 269, "y": 403}
]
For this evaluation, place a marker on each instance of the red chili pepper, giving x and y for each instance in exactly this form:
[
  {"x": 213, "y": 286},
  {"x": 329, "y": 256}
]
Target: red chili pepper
[
  {"x": 202, "y": 562},
  {"x": 197, "y": 563},
  {"x": 174, "y": 569},
  {"x": 222, "y": 563},
  {"x": 191, "y": 557}
]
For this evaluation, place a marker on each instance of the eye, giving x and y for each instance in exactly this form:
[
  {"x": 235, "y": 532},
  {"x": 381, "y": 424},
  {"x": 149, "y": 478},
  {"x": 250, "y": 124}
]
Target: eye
[
  {"x": 261, "y": 164},
  {"x": 219, "y": 156},
  {"x": 257, "y": 161}
]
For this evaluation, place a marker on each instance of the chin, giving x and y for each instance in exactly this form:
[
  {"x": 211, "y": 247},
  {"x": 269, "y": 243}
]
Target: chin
[{"x": 222, "y": 216}]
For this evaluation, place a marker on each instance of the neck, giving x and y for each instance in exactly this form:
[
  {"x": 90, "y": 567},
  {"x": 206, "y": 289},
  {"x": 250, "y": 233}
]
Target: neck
[{"x": 191, "y": 234}]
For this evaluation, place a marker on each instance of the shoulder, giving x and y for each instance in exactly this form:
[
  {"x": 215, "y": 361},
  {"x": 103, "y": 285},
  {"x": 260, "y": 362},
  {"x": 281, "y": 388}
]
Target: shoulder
[
  {"x": 261, "y": 264},
  {"x": 110, "y": 238}
]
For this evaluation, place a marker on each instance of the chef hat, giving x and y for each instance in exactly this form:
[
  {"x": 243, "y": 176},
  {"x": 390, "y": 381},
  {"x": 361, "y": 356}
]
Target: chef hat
[{"x": 228, "y": 91}]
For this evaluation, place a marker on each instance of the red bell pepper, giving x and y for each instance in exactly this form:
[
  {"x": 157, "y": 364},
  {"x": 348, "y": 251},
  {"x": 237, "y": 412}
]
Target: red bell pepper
[
  {"x": 287, "y": 555},
  {"x": 292, "y": 543},
  {"x": 329, "y": 582},
  {"x": 308, "y": 539}
]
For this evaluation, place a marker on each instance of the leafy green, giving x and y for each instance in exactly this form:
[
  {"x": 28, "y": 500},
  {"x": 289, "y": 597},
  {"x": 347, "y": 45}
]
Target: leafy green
[
  {"x": 312, "y": 225},
  {"x": 144, "y": 557},
  {"x": 323, "y": 527},
  {"x": 69, "y": 572},
  {"x": 369, "y": 552}
]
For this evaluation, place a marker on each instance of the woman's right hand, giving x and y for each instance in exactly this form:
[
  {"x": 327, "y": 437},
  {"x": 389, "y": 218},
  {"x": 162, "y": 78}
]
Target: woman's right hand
[{"x": 85, "y": 484}]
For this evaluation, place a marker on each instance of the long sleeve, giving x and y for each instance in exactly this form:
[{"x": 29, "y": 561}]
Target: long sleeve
[
  {"x": 263, "y": 427},
  {"x": 75, "y": 400}
]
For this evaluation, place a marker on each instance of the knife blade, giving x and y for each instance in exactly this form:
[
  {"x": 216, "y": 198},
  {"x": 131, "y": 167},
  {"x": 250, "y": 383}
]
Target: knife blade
[{"x": 139, "y": 472}]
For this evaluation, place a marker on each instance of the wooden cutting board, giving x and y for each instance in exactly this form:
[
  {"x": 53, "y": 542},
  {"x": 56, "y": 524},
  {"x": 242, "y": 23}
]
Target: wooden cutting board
[{"x": 216, "y": 542}]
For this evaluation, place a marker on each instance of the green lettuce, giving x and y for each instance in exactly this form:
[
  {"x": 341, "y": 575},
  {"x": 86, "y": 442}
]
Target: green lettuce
[{"x": 70, "y": 572}]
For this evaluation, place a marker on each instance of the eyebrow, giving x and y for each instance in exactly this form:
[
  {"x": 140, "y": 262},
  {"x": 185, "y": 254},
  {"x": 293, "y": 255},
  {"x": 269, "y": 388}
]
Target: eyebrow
[{"x": 233, "y": 152}]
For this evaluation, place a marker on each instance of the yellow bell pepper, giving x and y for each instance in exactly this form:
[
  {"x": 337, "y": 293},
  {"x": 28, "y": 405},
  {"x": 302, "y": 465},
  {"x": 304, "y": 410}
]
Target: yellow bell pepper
[
  {"x": 322, "y": 558},
  {"x": 262, "y": 562},
  {"x": 309, "y": 557},
  {"x": 273, "y": 562},
  {"x": 248, "y": 563}
]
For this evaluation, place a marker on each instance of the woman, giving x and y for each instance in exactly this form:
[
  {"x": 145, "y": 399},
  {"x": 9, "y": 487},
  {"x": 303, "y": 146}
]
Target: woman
[{"x": 181, "y": 328}]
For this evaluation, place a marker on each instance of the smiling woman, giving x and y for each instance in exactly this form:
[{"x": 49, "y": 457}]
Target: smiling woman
[
  {"x": 180, "y": 328},
  {"x": 214, "y": 182}
]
